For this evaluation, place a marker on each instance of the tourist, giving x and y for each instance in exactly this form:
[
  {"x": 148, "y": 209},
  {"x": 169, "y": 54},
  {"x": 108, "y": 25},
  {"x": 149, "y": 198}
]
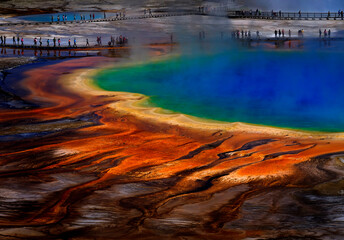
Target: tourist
[
  {"x": 90, "y": 16},
  {"x": 299, "y": 13},
  {"x": 289, "y": 33},
  {"x": 18, "y": 40},
  {"x": 48, "y": 42},
  {"x": 69, "y": 43},
  {"x": 328, "y": 14},
  {"x": 40, "y": 42},
  {"x": 320, "y": 32},
  {"x": 5, "y": 40},
  {"x": 93, "y": 16},
  {"x": 22, "y": 41},
  {"x": 58, "y": 18},
  {"x": 339, "y": 13},
  {"x": 74, "y": 17},
  {"x": 87, "y": 43},
  {"x": 74, "y": 45},
  {"x": 2, "y": 40},
  {"x": 279, "y": 33},
  {"x": 329, "y": 33},
  {"x": 14, "y": 40},
  {"x": 325, "y": 33},
  {"x": 280, "y": 13},
  {"x": 59, "y": 42},
  {"x": 35, "y": 42},
  {"x": 276, "y": 33},
  {"x": 283, "y": 33},
  {"x": 249, "y": 34},
  {"x": 104, "y": 15},
  {"x": 258, "y": 37},
  {"x": 54, "y": 40},
  {"x": 342, "y": 14}
]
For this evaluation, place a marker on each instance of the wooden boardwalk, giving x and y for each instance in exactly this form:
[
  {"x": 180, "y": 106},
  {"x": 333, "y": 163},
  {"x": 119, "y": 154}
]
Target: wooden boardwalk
[
  {"x": 286, "y": 15},
  {"x": 230, "y": 14},
  {"x": 114, "y": 19},
  {"x": 276, "y": 40}
]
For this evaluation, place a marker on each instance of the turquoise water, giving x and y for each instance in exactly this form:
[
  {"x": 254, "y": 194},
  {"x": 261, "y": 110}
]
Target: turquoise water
[
  {"x": 70, "y": 16},
  {"x": 298, "y": 90}
]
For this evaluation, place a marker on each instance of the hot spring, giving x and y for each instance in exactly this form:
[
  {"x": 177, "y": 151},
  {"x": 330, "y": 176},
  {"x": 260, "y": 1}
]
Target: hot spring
[{"x": 290, "y": 89}]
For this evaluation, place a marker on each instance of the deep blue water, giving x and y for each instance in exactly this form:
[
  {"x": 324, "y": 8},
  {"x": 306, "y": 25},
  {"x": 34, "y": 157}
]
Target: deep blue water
[{"x": 298, "y": 90}]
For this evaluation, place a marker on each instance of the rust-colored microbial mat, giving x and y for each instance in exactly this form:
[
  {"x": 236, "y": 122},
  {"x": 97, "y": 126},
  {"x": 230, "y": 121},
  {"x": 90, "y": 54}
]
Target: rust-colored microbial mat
[{"x": 75, "y": 167}]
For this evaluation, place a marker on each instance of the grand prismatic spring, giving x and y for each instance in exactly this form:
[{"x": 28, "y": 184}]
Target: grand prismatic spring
[{"x": 171, "y": 120}]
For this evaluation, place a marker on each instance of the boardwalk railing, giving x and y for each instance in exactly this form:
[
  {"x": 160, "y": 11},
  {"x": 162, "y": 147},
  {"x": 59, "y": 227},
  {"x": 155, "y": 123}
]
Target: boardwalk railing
[
  {"x": 286, "y": 15},
  {"x": 112, "y": 19}
]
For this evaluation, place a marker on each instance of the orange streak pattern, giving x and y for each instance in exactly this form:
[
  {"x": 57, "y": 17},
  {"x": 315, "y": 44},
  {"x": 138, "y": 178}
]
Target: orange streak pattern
[{"x": 120, "y": 177}]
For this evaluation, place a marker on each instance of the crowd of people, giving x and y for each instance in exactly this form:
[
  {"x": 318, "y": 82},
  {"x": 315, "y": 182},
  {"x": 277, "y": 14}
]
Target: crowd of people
[
  {"x": 56, "y": 42},
  {"x": 327, "y": 33},
  {"x": 83, "y": 17},
  {"x": 147, "y": 11}
]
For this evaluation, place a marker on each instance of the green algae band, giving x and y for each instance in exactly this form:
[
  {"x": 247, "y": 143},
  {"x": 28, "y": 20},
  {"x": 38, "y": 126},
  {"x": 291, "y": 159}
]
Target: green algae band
[{"x": 298, "y": 90}]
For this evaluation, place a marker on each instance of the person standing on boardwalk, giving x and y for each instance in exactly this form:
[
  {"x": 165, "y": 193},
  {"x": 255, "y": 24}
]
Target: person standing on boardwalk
[
  {"x": 69, "y": 43},
  {"x": 54, "y": 40},
  {"x": 275, "y": 33},
  {"x": 87, "y": 43},
  {"x": 329, "y": 33},
  {"x": 289, "y": 33},
  {"x": 279, "y": 33},
  {"x": 74, "y": 45},
  {"x": 14, "y": 40},
  {"x": 299, "y": 13},
  {"x": 22, "y": 41},
  {"x": 59, "y": 42},
  {"x": 4, "y": 40},
  {"x": 320, "y": 32},
  {"x": 48, "y": 42},
  {"x": 325, "y": 33},
  {"x": 283, "y": 33},
  {"x": 35, "y": 42},
  {"x": 40, "y": 42}
]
